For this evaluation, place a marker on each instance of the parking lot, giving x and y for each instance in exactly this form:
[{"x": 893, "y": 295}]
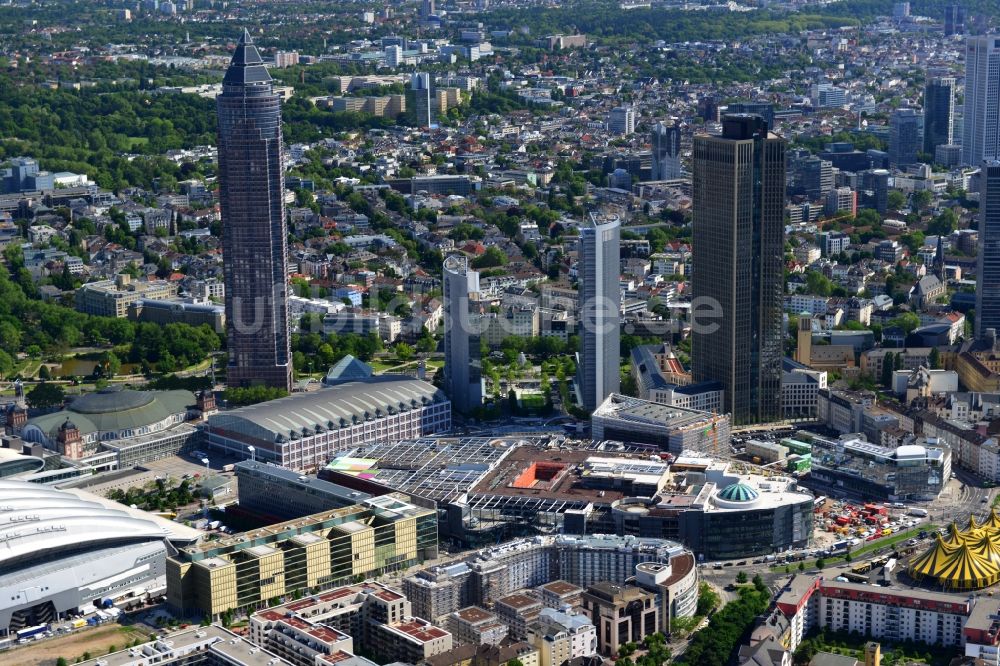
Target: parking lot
[{"x": 190, "y": 465}]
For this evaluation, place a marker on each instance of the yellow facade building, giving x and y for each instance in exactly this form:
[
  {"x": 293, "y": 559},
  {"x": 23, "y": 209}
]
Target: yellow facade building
[{"x": 301, "y": 556}]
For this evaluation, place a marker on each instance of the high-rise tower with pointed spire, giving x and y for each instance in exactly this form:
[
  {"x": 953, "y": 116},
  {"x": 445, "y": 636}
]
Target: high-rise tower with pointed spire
[{"x": 254, "y": 233}]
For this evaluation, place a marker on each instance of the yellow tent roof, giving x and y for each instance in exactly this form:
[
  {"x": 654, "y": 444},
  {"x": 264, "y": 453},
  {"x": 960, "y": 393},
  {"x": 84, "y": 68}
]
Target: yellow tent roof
[
  {"x": 932, "y": 562},
  {"x": 955, "y": 536},
  {"x": 986, "y": 545},
  {"x": 964, "y": 570},
  {"x": 963, "y": 559}
]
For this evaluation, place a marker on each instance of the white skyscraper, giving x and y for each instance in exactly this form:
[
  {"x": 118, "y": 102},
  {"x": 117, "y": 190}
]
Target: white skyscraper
[
  {"x": 599, "y": 375},
  {"x": 981, "y": 129},
  {"x": 462, "y": 363},
  {"x": 393, "y": 56}
]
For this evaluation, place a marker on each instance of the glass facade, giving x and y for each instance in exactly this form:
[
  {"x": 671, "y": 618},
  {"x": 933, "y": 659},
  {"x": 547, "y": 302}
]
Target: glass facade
[
  {"x": 599, "y": 373},
  {"x": 739, "y": 235},
  {"x": 254, "y": 233},
  {"x": 988, "y": 280}
]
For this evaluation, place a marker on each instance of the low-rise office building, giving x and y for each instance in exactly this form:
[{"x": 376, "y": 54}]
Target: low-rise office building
[
  {"x": 380, "y": 534},
  {"x": 621, "y": 614},
  {"x": 673, "y": 429},
  {"x": 843, "y": 411},
  {"x": 857, "y": 467},
  {"x": 800, "y": 387},
  {"x": 113, "y": 298},
  {"x": 274, "y": 493}
]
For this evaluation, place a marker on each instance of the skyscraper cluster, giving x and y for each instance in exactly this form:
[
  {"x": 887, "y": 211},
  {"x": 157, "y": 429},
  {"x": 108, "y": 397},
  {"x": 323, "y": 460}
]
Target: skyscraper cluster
[
  {"x": 737, "y": 273},
  {"x": 254, "y": 232}
]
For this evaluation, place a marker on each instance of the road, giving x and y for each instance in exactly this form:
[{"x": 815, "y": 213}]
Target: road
[{"x": 963, "y": 495}]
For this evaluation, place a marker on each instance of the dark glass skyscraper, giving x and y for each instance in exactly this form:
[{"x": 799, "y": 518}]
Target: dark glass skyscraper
[
  {"x": 904, "y": 137},
  {"x": 254, "y": 234},
  {"x": 988, "y": 278},
  {"x": 939, "y": 112},
  {"x": 738, "y": 264},
  {"x": 666, "y": 142},
  {"x": 954, "y": 20}
]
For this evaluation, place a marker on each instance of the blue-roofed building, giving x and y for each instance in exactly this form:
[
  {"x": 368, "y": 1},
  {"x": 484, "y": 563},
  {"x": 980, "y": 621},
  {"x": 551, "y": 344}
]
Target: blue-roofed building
[
  {"x": 660, "y": 377},
  {"x": 347, "y": 369}
]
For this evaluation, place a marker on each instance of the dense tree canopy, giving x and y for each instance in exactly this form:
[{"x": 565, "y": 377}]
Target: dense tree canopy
[{"x": 92, "y": 131}]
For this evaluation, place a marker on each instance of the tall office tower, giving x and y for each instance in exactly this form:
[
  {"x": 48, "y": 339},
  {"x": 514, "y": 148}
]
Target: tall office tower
[
  {"x": 981, "y": 128},
  {"x": 763, "y": 109},
  {"x": 875, "y": 189},
  {"x": 738, "y": 264},
  {"x": 254, "y": 233},
  {"x": 419, "y": 98},
  {"x": 599, "y": 270},
  {"x": 708, "y": 108},
  {"x": 426, "y": 9},
  {"x": 939, "y": 112},
  {"x": 463, "y": 370},
  {"x": 621, "y": 120},
  {"x": 666, "y": 143},
  {"x": 904, "y": 137},
  {"x": 809, "y": 175},
  {"x": 954, "y": 20},
  {"x": 988, "y": 278}
]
